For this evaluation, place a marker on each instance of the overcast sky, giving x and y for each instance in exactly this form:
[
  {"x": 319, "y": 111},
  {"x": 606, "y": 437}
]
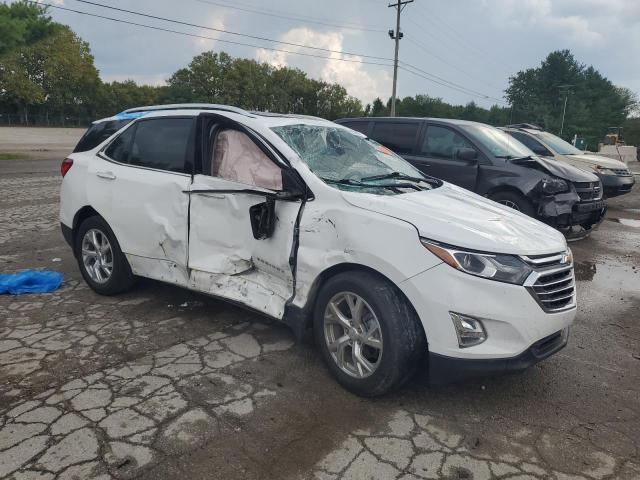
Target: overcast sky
[{"x": 476, "y": 44}]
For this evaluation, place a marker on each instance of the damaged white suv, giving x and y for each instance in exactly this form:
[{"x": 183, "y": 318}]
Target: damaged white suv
[{"x": 313, "y": 224}]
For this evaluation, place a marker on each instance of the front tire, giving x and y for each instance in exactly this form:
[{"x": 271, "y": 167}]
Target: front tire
[
  {"x": 102, "y": 264},
  {"x": 370, "y": 337}
]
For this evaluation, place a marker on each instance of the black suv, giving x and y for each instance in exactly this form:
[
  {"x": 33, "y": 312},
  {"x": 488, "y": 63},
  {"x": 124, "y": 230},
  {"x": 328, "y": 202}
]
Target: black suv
[{"x": 491, "y": 163}]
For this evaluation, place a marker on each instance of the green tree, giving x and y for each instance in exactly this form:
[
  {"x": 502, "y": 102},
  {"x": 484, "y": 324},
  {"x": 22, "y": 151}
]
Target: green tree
[
  {"x": 57, "y": 73},
  {"x": 593, "y": 104},
  {"x": 23, "y": 23}
]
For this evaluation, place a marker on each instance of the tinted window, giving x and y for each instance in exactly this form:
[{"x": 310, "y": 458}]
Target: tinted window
[
  {"x": 161, "y": 144},
  {"x": 361, "y": 127},
  {"x": 531, "y": 143},
  {"x": 399, "y": 137},
  {"x": 98, "y": 133},
  {"x": 443, "y": 142},
  {"x": 118, "y": 150}
]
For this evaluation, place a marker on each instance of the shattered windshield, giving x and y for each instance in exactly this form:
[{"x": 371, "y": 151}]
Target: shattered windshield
[
  {"x": 351, "y": 161},
  {"x": 501, "y": 144}
]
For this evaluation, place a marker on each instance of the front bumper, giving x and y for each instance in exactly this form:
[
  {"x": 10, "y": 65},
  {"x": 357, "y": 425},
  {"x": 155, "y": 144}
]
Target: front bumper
[
  {"x": 615, "y": 185},
  {"x": 511, "y": 316},
  {"x": 443, "y": 369}
]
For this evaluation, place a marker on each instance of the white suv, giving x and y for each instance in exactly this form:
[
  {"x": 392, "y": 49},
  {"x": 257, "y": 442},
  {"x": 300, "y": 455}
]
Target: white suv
[{"x": 315, "y": 225}]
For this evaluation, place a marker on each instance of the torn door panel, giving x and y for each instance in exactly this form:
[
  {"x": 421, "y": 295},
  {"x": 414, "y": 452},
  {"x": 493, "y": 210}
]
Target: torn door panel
[{"x": 255, "y": 289}]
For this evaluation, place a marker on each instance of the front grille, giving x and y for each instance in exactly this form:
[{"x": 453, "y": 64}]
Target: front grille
[
  {"x": 588, "y": 191},
  {"x": 552, "y": 282},
  {"x": 623, "y": 172}
]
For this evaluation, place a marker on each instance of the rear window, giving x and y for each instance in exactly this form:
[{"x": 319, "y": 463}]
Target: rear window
[
  {"x": 399, "y": 137},
  {"x": 98, "y": 133}
]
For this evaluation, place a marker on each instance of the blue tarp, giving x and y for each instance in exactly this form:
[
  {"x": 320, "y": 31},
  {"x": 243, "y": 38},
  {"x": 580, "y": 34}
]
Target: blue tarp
[{"x": 30, "y": 281}]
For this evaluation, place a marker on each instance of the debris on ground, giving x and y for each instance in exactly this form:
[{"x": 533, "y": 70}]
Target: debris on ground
[{"x": 30, "y": 281}]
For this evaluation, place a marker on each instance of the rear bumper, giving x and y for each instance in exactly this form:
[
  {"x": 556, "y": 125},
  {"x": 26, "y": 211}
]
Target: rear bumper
[
  {"x": 67, "y": 233},
  {"x": 444, "y": 369},
  {"x": 615, "y": 185}
]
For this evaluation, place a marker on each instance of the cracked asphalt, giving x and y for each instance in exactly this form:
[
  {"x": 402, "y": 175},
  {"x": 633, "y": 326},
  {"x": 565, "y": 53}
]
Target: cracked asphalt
[{"x": 162, "y": 383}]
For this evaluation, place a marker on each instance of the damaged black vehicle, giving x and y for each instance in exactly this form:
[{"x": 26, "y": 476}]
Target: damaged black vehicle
[{"x": 489, "y": 162}]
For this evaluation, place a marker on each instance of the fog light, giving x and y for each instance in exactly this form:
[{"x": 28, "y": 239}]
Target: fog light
[{"x": 470, "y": 330}]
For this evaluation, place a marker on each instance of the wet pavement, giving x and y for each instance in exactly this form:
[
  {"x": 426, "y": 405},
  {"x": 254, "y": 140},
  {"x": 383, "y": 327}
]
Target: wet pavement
[{"x": 162, "y": 383}]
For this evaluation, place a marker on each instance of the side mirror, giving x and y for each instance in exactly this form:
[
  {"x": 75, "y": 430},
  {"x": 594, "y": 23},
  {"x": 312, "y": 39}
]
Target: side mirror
[
  {"x": 263, "y": 219},
  {"x": 467, "y": 155}
]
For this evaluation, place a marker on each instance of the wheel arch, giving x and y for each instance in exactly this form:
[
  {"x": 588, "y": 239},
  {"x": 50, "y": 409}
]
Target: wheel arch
[
  {"x": 81, "y": 215},
  {"x": 504, "y": 188},
  {"x": 301, "y": 319}
]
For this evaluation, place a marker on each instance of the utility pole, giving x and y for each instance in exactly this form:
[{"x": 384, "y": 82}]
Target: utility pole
[
  {"x": 567, "y": 90},
  {"x": 396, "y": 35}
]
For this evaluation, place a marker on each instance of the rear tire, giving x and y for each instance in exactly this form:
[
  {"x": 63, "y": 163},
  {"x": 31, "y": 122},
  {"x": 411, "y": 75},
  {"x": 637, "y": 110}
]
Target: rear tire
[
  {"x": 102, "y": 264},
  {"x": 372, "y": 352},
  {"x": 514, "y": 200}
]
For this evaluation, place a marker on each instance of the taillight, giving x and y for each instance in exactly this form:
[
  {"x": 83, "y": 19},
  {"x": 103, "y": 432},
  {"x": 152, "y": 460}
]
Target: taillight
[{"x": 67, "y": 163}]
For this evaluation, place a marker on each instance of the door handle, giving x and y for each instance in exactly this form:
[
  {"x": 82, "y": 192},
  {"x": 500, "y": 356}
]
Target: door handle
[{"x": 106, "y": 175}]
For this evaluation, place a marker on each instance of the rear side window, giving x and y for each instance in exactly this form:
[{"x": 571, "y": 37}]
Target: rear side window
[
  {"x": 443, "y": 142},
  {"x": 534, "y": 145},
  {"x": 161, "y": 144},
  {"x": 98, "y": 133},
  {"x": 118, "y": 150},
  {"x": 361, "y": 127},
  {"x": 399, "y": 137}
]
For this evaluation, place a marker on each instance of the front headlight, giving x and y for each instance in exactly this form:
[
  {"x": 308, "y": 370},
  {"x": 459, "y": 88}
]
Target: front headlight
[
  {"x": 552, "y": 186},
  {"x": 494, "y": 266},
  {"x": 603, "y": 170}
]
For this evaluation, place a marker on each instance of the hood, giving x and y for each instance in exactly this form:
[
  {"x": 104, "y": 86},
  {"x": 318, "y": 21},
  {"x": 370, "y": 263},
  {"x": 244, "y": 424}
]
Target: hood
[
  {"x": 565, "y": 171},
  {"x": 590, "y": 159},
  {"x": 458, "y": 217}
]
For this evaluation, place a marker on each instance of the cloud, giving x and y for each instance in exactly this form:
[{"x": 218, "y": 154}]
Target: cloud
[
  {"x": 544, "y": 16},
  {"x": 360, "y": 80},
  {"x": 155, "y": 79},
  {"x": 214, "y": 21}
]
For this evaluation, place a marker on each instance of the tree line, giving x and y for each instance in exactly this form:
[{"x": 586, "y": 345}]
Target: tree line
[{"x": 48, "y": 72}]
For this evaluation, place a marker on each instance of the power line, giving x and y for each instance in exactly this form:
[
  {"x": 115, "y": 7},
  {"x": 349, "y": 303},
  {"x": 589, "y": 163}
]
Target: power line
[
  {"x": 446, "y": 62},
  {"x": 276, "y": 14},
  {"x": 443, "y": 26},
  {"x": 408, "y": 69},
  {"x": 204, "y": 37},
  {"x": 475, "y": 92},
  {"x": 440, "y": 81},
  {"x": 229, "y": 32}
]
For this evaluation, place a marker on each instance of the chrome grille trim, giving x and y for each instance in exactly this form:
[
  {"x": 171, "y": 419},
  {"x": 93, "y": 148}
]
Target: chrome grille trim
[
  {"x": 621, "y": 172},
  {"x": 588, "y": 191},
  {"x": 552, "y": 282}
]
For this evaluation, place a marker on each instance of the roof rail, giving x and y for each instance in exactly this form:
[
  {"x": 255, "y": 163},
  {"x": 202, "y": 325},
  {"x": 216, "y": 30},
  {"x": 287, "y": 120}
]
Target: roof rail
[
  {"x": 189, "y": 106},
  {"x": 530, "y": 126},
  {"x": 285, "y": 115}
]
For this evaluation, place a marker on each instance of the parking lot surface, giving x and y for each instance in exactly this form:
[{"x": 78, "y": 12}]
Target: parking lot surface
[{"x": 162, "y": 383}]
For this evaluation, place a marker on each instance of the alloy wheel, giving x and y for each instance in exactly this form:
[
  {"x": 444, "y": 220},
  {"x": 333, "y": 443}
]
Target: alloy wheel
[
  {"x": 510, "y": 204},
  {"x": 97, "y": 255},
  {"x": 353, "y": 335}
]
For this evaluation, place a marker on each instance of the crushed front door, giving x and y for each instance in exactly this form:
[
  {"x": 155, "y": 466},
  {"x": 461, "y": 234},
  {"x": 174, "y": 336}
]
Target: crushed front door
[{"x": 225, "y": 258}]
